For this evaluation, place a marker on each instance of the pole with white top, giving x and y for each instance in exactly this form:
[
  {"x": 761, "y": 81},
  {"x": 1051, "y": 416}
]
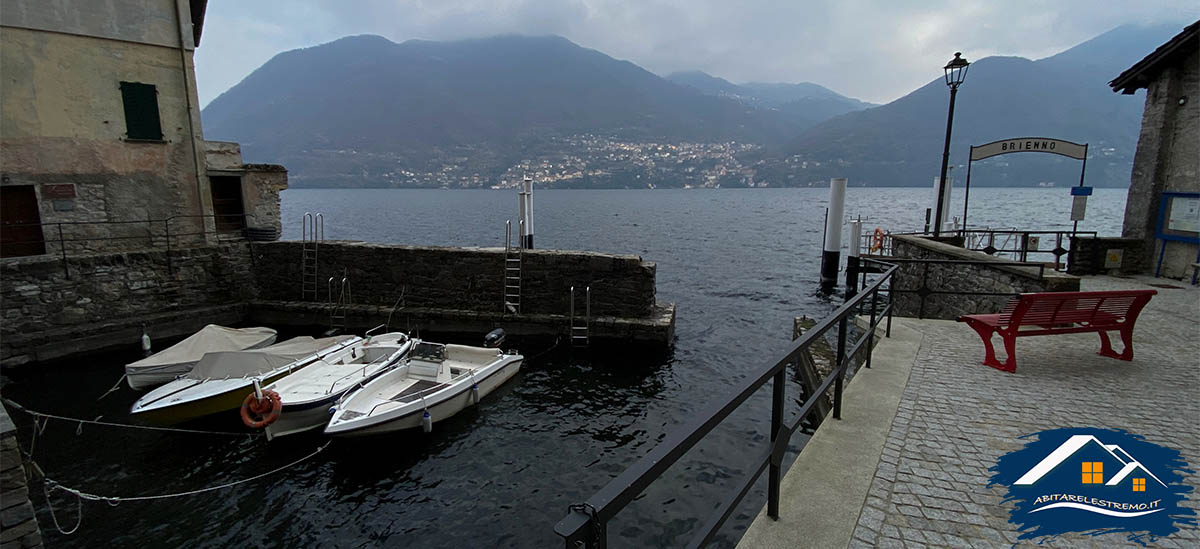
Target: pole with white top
[
  {"x": 830, "y": 256},
  {"x": 528, "y": 243}
]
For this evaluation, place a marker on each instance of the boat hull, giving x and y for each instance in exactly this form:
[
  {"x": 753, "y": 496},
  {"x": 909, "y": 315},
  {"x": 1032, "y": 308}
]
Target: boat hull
[
  {"x": 298, "y": 419},
  {"x": 221, "y": 402},
  {"x": 441, "y": 410}
]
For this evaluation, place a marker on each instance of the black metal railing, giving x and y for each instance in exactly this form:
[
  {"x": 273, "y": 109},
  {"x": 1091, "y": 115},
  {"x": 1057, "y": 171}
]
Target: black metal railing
[
  {"x": 148, "y": 234},
  {"x": 585, "y": 525},
  {"x": 1016, "y": 244},
  {"x": 1020, "y": 244}
]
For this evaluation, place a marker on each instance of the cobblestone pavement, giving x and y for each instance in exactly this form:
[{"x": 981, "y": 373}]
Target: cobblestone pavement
[{"x": 957, "y": 417}]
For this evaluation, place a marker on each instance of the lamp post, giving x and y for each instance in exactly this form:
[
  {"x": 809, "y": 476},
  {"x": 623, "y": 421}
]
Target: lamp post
[{"x": 956, "y": 72}]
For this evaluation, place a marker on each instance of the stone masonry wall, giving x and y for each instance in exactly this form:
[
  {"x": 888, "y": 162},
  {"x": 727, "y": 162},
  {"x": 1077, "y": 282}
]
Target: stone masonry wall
[
  {"x": 18, "y": 524},
  {"x": 468, "y": 279},
  {"x": 1166, "y": 160},
  {"x": 963, "y": 278},
  {"x": 1088, "y": 255},
  {"x": 36, "y": 294}
]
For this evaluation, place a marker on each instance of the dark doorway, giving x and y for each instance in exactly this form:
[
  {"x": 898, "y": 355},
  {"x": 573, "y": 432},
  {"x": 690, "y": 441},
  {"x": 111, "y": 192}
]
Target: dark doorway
[
  {"x": 227, "y": 202},
  {"x": 20, "y": 232}
]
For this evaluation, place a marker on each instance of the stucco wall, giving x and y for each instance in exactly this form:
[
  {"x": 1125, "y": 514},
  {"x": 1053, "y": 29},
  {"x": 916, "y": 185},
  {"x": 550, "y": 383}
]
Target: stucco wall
[
  {"x": 62, "y": 121},
  {"x": 1167, "y": 159},
  {"x": 141, "y": 21}
]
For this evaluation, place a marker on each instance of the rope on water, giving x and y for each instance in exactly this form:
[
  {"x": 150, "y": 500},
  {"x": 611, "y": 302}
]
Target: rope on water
[
  {"x": 45, "y": 417},
  {"x": 118, "y": 499}
]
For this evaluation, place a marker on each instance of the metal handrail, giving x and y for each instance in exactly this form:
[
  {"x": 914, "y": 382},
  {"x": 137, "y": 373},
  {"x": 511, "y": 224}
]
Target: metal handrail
[{"x": 585, "y": 524}]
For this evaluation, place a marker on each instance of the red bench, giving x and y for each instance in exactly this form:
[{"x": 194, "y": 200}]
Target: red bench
[{"x": 1061, "y": 313}]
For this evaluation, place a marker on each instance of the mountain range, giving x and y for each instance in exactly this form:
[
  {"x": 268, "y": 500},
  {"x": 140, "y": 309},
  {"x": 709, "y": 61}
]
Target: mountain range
[{"x": 365, "y": 111}]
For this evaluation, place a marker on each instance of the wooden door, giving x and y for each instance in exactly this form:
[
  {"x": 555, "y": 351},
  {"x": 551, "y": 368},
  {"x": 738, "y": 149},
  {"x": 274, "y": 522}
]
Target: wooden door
[
  {"x": 227, "y": 202},
  {"x": 20, "y": 232}
]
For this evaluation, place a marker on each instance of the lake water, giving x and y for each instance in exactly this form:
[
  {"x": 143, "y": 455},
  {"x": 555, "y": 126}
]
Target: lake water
[{"x": 738, "y": 264}]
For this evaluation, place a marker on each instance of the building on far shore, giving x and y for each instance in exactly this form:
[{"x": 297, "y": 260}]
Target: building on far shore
[
  {"x": 100, "y": 131},
  {"x": 1163, "y": 208}
]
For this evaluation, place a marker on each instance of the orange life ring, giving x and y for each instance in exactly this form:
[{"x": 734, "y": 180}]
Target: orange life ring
[
  {"x": 877, "y": 241},
  {"x": 257, "y": 413}
]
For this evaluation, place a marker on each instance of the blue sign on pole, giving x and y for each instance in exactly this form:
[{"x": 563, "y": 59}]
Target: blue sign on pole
[{"x": 1081, "y": 191}]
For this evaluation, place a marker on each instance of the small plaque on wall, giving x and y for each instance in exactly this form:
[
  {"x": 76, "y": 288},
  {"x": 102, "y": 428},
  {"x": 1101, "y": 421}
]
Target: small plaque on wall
[{"x": 59, "y": 191}]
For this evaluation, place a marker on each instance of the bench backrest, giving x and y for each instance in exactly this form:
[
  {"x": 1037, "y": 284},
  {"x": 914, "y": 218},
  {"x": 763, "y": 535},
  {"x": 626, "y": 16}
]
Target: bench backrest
[{"x": 1106, "y": 308}]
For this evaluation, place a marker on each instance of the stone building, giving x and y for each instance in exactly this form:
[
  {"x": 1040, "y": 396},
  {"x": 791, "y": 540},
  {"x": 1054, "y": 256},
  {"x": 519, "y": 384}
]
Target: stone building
[
  {"x": 100, "y": 131},
  {"x": 1167, "y": 162}
]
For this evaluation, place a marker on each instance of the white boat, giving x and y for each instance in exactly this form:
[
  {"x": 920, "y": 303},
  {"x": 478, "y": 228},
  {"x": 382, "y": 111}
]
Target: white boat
[
  {"x": 308, "y": 394},
  {"x": 434, "y": 382},
  {"x": 181, "y": 357},
  {"x": 221, "y": 380}
]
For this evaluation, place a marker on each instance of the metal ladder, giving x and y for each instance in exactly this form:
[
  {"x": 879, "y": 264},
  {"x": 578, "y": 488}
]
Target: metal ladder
[
  {"x": 311, "y": 234},
  {"x": 580, "y": 327},
  {"x": 338, "y": 309},
  {"x": 512, "y": 272}
]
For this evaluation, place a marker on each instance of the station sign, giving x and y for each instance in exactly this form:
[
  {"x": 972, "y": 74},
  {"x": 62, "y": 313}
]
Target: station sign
[{"x": 1029, "y": 144}]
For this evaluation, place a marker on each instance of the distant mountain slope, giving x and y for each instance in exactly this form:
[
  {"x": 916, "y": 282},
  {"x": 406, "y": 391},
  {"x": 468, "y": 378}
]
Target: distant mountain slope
[
  {"x": 804, "y": 103},
  {"x": 352, "y": 109},
  {"x": 1064, "y": 96}
]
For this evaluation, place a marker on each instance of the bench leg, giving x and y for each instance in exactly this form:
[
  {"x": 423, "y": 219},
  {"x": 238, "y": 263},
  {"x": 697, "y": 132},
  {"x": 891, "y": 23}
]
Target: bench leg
[
  {"x": 989, "y": 359},
  {"x": 1010, "y": 347},
  {"x": 1106, "y": 348}
]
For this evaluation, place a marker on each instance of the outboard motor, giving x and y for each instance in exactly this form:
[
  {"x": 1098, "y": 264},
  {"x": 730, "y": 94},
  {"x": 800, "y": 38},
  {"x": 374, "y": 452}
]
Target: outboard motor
[{"x": 494, "y": 339}]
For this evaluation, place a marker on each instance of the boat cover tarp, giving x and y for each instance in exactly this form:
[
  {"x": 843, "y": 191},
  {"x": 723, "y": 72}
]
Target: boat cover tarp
[
  {"x": 209, "y": 339},
  {"x": 234, "y": 364}
]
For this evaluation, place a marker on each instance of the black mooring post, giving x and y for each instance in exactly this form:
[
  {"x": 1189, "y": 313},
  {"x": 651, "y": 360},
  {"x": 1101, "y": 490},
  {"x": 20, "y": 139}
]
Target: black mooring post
[
  {"x": 852, "y": 266},
  {"x": 774, "y": 473}
]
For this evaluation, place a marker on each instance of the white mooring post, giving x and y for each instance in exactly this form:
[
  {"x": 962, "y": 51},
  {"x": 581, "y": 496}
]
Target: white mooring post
[
  {"x": 528, "y": 192},
  {"x": 522, "y": 222},
  {"x": 830, "y": 256},
  {"x": 852, "y": 265}
]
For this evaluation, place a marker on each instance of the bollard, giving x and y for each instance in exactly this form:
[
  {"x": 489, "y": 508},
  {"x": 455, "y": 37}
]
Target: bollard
[{"x": 833, "y": 233}]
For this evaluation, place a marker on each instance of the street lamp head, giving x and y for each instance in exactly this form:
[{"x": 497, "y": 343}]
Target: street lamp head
[{"x": 956, "y": 70}]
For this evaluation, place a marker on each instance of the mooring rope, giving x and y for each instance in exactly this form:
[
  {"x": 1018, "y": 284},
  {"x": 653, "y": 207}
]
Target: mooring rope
[
  {"x": 115, "y": 386},
  {"x": 44, "y": 416},
  {"x": 118, "y": 499}
]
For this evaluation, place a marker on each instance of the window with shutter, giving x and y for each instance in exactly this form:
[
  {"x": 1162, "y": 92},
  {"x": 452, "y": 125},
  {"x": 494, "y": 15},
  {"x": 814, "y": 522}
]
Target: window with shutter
[{"x": 141, "y": 111}]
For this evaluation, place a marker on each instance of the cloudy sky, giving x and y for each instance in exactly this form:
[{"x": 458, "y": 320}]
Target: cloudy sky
[{"x": 875, "y": 50}]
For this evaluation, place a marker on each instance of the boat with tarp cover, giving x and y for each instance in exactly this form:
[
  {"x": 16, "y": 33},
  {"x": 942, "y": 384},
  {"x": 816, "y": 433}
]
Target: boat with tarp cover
[
  {"x": 221, "y": 380},
  {"x": 179, "y": 359}
]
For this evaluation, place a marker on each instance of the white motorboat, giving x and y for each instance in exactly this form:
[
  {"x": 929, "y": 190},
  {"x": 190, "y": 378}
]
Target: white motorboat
[
  {"x": 180, "y": 358},
  {"x": 433, "y": 383},
  {"x": 221, "y": 380},
  {"x": 307, "y": 395}
]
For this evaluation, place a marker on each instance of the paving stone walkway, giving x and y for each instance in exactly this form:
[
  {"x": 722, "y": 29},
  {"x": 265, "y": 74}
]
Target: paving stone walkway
[{"x": 957, "y": 417}]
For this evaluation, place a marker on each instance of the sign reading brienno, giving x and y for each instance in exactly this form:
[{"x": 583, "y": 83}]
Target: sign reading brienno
[{"x": 1029, "y": 144}]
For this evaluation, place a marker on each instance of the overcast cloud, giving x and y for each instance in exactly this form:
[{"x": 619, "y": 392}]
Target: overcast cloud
[{"x": 873, "y": 50}]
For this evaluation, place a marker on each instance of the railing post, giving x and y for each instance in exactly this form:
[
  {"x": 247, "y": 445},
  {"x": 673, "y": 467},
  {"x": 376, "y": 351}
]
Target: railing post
[
  {"x": 841, "y": 371},
  {"x": 891, "y": 303},
  {"x": 871, "y": 328},
  {"x": 62, "y": 249},
  {"x": 775, "y": 471}
]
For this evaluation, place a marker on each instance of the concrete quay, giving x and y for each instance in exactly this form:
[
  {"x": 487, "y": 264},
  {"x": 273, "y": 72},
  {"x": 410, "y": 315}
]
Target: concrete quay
[{"x": 907, "y": 466}]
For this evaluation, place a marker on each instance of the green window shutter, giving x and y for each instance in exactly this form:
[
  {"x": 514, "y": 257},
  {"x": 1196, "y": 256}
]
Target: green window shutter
[{"x": 141, "y": 111}]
